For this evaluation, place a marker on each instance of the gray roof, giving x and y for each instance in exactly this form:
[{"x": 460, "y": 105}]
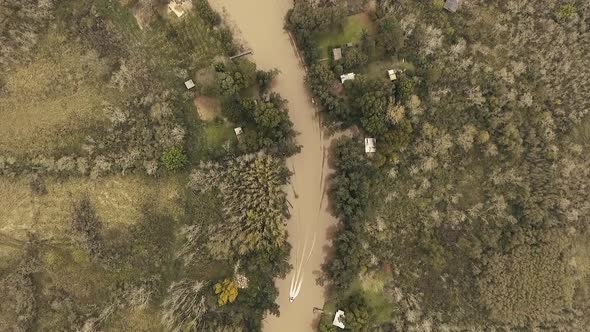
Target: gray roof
[
  {"x": 452, "y": 5},
  {"x": 337, "y": 53}
]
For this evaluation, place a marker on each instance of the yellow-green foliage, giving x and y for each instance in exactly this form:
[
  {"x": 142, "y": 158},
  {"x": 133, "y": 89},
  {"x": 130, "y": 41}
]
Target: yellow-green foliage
[
  {"x": 51, "y": 100},
  {"x": 439, "y": 4},
  {"x": 566, "y": 11},
  {"x": 227, "y": 291}
]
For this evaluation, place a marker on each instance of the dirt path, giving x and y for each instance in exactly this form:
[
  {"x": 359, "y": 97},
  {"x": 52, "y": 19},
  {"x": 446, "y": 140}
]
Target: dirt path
[{"x": 261, "y": 24}]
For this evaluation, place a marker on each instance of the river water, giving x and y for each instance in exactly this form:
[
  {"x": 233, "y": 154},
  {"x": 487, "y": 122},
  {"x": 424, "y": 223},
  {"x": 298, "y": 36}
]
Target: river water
[{"x": 260, "y": 24}]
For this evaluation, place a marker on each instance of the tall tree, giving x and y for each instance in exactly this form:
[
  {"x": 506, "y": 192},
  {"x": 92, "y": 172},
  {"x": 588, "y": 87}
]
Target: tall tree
[{"x": 254, "y": 202}]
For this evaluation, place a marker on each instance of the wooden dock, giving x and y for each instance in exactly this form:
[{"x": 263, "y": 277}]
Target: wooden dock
[{"x": 241, "y": 54}]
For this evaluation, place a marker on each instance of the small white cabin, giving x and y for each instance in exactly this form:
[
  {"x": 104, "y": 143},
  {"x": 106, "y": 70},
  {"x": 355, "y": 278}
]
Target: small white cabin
[
  {"x": 189, "y": 84},
  {"x": 238, "y": 131},
  {"x": 180, "y": 7},
  {"x": 370, "y": 145},
  {"x": 337, "y": 52},
  {"x": 339, "y": 319},
  {"x": 391, "y": 74},
  {"x": 346, "y": 77}
]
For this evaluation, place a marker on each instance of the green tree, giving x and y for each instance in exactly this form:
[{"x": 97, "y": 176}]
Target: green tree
[
  {"x": 354, "y": 58},
  {"x": 371, "y": 100},
  {"x": 227, "y": 291},
  {"x": 207, "y": 13},
  {"x": 174, "y": 158},
  {"x": 351, "y": 190},
  {"x": 357, "y": 313},
  {"x": 265, "y": 78},
  {"x": 228, "y": 86},
  {"x": 326, "y": 324},
  {"x": 235, "y": 76},
  {"x": 274, "y": 127},
  {"x": 404, "y": 89},
  {"x": 367, "y": 44},
  {"x": 254, "y": 202},
  {"x": 390, "y": 35},
  {"x": 307, "y": 18}
]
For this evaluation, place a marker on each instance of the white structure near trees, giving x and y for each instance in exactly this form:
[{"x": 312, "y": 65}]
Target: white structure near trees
[
  {"x": 346, "y": 77},
  {"x": 370, "y": 145},
  {"x": 238, "y": 131},
  {"x": 189, "y": 84},
  {"x": 391, "y": 74},
  {"x": 180, "y": 7},
  {"x": 337, "y": 52},
  {"x": 339, "y": 319},
  {"x": 452, "y": 5}
]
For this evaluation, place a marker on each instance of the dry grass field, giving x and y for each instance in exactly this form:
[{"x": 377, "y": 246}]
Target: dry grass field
[
  {"x": 51, "y": 102},
  {"x": 118, "y": 201}
]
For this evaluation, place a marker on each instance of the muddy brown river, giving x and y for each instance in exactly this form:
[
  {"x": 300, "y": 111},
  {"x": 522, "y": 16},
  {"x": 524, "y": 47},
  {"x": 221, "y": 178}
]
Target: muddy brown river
[{"x": 259, "y": 23}]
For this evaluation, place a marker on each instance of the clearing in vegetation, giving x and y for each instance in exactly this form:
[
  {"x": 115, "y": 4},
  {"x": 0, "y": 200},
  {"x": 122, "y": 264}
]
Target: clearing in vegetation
[
  {"x": 119, "y": 200},
  {"x": 350, "y": 31},
  {"x": 53, "y": 101}
]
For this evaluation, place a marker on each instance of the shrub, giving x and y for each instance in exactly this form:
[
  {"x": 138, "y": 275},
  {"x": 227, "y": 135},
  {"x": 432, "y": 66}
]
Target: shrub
[
  {"x": 37, "y": 186},
  {"x": 86, "y": 222},
  {"x": 566, "y": 11},
  {"x": 184, "y": 306},
  {"x": 207, "y": 13},
  {"x": 174, "y": 158},
  {"x": 227, "y": 291},
  {"x": 438, "y": 4},
  {"x": 404, "y": 89},
  {"x": 265, "y": 78}
]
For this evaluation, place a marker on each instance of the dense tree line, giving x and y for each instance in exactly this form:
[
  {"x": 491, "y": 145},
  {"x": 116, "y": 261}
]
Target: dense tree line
[
  {"x": 254, "y": 203},
  {"x": 264, "y": 118},
  {"x": 352, "y": 194}
]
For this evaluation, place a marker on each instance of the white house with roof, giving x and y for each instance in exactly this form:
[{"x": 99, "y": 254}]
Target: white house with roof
[
  {"x": 392, "y": 75},
  {"x": 347, "y": 77},
  {"x": 339, "y": 319},
  {"x": 189, "y": 84},
  {"x": 337, "y": 53},
  {"x": 370, "y": 145}
]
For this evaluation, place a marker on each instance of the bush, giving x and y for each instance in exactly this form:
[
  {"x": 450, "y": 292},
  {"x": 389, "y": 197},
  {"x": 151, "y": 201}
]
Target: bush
[
  {"x": 354, "y": 58},
  {"x": 37, "y": 186},
  {"x": 404, "y": 89},
  {"x": 86, "y": 222},
  {"x": 227, "y": 291},
  {"x": 265, "y": 78},
  {"x": 391, "y": 36},
  {"x": 174, "y": 158},
  {"x": 566, "y": 11},
  {"x": 207, "y": 13}
]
